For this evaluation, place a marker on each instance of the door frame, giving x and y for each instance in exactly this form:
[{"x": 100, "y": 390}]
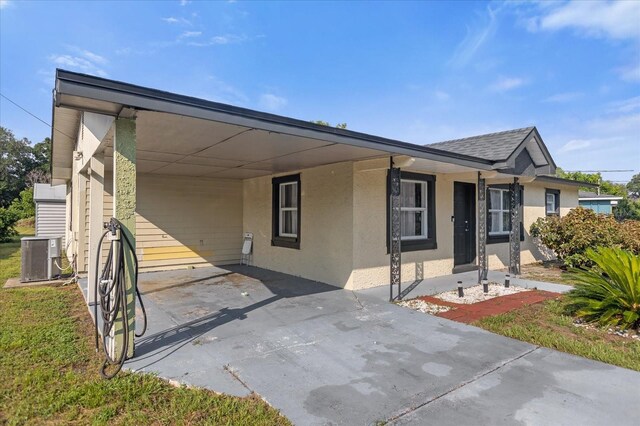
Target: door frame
[{"x": 470, "y": 205}]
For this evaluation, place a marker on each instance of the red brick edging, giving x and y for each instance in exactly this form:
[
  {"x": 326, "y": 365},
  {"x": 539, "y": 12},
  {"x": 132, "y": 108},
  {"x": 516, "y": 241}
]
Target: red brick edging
[{"x": 498, "y": 305}]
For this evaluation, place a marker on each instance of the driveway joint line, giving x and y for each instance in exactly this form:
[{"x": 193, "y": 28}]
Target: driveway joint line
[
  {"x": 231, "y": 371},
  {"x": 461, "y": 385}
]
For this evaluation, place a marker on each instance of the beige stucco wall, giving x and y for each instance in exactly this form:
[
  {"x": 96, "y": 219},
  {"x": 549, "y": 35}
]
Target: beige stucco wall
[{"x": 326, "y": 225}]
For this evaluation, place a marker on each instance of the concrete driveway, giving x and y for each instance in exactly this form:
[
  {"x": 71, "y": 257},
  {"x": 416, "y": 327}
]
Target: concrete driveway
[{"x": 323, "y": 355}]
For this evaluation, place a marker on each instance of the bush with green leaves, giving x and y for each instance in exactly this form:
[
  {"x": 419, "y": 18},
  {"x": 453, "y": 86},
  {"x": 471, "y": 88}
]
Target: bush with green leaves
[
  {"x": 570, "y": 236},
  {"x": 608, "y": 293},
  {"x": 24, "y": 206},
  {"x": 8, "y": 219}
]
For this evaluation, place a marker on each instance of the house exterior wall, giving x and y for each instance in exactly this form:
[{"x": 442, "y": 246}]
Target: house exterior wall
[
  {"x": 347, "y": 201},
  {"x": 326, "y": 225},
  {"x": 598, "y": 206},
  {"x": 184, "y": 221}
]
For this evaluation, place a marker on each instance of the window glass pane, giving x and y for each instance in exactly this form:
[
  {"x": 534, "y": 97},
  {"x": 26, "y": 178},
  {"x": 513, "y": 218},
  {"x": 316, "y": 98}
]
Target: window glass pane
[
  {"x": 494, "y": 222},
  {"x": 407, "y": 194},
  {"x": 289, "y": 224},
  {"x": 505, "y": 221},
  {"x": 413, "y": 224},
  {"x": 494, "y": 199},
  {"x": 289, "y": 195},
  {"x": 506, "y": 200}
]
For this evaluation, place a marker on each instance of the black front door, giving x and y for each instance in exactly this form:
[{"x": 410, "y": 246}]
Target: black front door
[{"x": 464, "y": 223}]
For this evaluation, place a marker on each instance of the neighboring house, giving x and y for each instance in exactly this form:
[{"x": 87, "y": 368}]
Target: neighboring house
[
  {"x": 199, "y": 174},
  {"x": 599, "y": 203},
  {"x": 50, "y": 210}
]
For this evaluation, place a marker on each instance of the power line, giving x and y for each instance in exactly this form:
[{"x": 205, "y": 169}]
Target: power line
[
  {"x": 599, "y": 171},
  {"x": 35, "y": 116}
]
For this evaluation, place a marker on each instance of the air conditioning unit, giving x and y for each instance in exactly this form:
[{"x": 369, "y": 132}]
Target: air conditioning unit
[{"x": 40, "y": 257}]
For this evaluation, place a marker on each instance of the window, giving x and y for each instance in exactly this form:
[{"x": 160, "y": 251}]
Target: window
[
  {"x": 413, "y": 209},
  {"x": 417, "y": 212},
  {"x": 499, "y": 214},
  {"x": 286, "y": 211},
  {"x": 552, "y": 202}
]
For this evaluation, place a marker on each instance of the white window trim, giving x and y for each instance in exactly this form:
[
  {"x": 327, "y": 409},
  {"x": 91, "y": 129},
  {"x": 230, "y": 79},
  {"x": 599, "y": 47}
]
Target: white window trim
[
  {"x": 281, "y": 210},
  {"x": 501, "y": 210},
  {"x": 424, "y": 209}
]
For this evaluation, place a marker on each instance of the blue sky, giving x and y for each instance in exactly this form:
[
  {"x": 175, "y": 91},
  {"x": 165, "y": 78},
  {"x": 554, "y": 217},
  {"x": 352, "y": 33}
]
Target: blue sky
[{"x": 418, "y": 72}]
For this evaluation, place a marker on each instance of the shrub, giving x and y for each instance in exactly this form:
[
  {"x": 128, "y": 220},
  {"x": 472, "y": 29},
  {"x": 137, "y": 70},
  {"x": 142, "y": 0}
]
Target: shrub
[
  {"x": 8, "y": 218},
  {"x": 570, "y": 236},
  {"x": 24, "y": 205},
  {"x": 610, "y": 292}
]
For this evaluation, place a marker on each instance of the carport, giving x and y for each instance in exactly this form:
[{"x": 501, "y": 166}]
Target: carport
[
  {"x": 170, "y": 169},
  {"x": 324, "y": 355}
]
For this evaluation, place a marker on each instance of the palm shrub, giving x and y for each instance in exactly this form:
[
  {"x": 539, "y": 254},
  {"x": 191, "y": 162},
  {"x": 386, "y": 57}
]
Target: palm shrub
[{"x": 608, "y": 293}]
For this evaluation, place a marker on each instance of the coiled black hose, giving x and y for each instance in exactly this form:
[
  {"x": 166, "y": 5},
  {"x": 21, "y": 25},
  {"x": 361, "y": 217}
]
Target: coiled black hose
[{"x": 111, "y": 288}]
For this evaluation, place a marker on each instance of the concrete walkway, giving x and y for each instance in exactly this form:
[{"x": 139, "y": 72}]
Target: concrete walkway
[{"x": 328, "y": 356}]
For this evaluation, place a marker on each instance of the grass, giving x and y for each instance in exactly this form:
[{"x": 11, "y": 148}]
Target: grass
[
  {"x": 49, "y": 369},
  {"x": 547, "y": 324},
  {"x": 549, "y": 271}
]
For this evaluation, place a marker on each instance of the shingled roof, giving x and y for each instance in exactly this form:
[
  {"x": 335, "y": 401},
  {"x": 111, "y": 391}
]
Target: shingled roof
[{"x": 493, "y": 146}]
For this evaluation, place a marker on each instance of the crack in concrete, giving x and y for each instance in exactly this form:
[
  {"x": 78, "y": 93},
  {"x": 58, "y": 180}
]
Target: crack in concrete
[
  {"x": 355, "y": 295},
  {"x": 461, "y": 385},
  {"x": 230, "y": 370}
]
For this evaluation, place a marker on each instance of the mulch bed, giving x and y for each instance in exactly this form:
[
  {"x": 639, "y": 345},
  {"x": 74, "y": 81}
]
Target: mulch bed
[{"x": 468, "y": 313}]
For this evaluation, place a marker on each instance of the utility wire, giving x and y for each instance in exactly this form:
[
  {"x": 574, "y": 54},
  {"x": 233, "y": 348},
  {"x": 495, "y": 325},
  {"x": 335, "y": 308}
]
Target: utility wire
[{"x": 35, "y": 116}]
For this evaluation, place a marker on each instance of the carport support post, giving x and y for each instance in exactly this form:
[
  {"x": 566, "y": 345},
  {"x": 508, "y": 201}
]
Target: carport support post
[
  {"x": 395, "y": 233},
  {"x": 96, "y": 190},
  {"x": 482, "y": 229},
  {"x": 124, "y": 209},
  {"x": 514, "y": 235}
]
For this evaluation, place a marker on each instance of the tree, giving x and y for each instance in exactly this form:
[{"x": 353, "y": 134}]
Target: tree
[
  {"x": 325, "y": 123},
  {"x": 634, "y": 185},
  {"x": 17, "y": 159},
  {"x": 627, "y": 209},
  {"x": 606, "y": 187}
]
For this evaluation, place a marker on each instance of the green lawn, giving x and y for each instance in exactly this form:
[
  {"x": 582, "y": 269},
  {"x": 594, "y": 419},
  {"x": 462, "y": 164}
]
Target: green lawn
[
  {"x": 546, "y": 324},
  {"x": 49, "y": 369}
]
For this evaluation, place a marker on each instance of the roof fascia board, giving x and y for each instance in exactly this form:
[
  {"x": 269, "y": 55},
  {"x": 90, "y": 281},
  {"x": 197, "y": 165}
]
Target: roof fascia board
[
  {"x": 599, "y": 198},
  {"x": 81, "y": 85},
  {"x": 538, "y": 139},
  {"x": 561, "y": 181}
]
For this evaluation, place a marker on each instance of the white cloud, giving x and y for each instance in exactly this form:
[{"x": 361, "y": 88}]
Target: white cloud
[
  {"x": 4, "y": 3},
  {"x": 630, "y": 73},
  {"x": 272, "y": 102},
  {"x": 575, "y": 145},
  {"x": 564, "y": 97},
  {"x": 612, "y": 19},
  {"x": 81, "y": 60},
  {"x": 174, "y": 20},
  {"x": 625, "y": 105},
  {"x": 474, "y": 40},
  {"x": 504, "y": 84},
  {"x": 190, "y": 34},
  {"x": 222, "y": 40},
  {"x": 184, "y": 2},
  {"x": 442, "y": 95}
]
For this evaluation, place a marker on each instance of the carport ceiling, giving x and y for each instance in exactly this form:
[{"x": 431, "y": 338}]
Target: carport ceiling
[{"x": 170, "y": 144}]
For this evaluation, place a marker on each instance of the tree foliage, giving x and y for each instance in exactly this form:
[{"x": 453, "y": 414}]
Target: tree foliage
[
  {"x": 627, "y": 209},
  {"x": 570, "y": 236},
  {"x": 8, "y": 219},
  {"x": 606, "y": 187},
  {"x": 21, "y": 165},
  {"x": 634, "y": 185},
  {"x": 23, "y": 206},
  {"x": 325, "y": 123}
]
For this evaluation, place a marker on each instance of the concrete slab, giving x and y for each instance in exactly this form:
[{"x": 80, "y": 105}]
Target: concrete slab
[
  {"x": 324, "y": 355},
  {"x": 16, "y": 283},
  {"x": 431, "y": 286}
]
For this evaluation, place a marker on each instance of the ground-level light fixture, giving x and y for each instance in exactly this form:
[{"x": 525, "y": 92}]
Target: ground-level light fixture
[
  {"x": 507, "y": 280},
  {"x": 485, "y": 286},
  {"x": 460, "y": 289}
]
